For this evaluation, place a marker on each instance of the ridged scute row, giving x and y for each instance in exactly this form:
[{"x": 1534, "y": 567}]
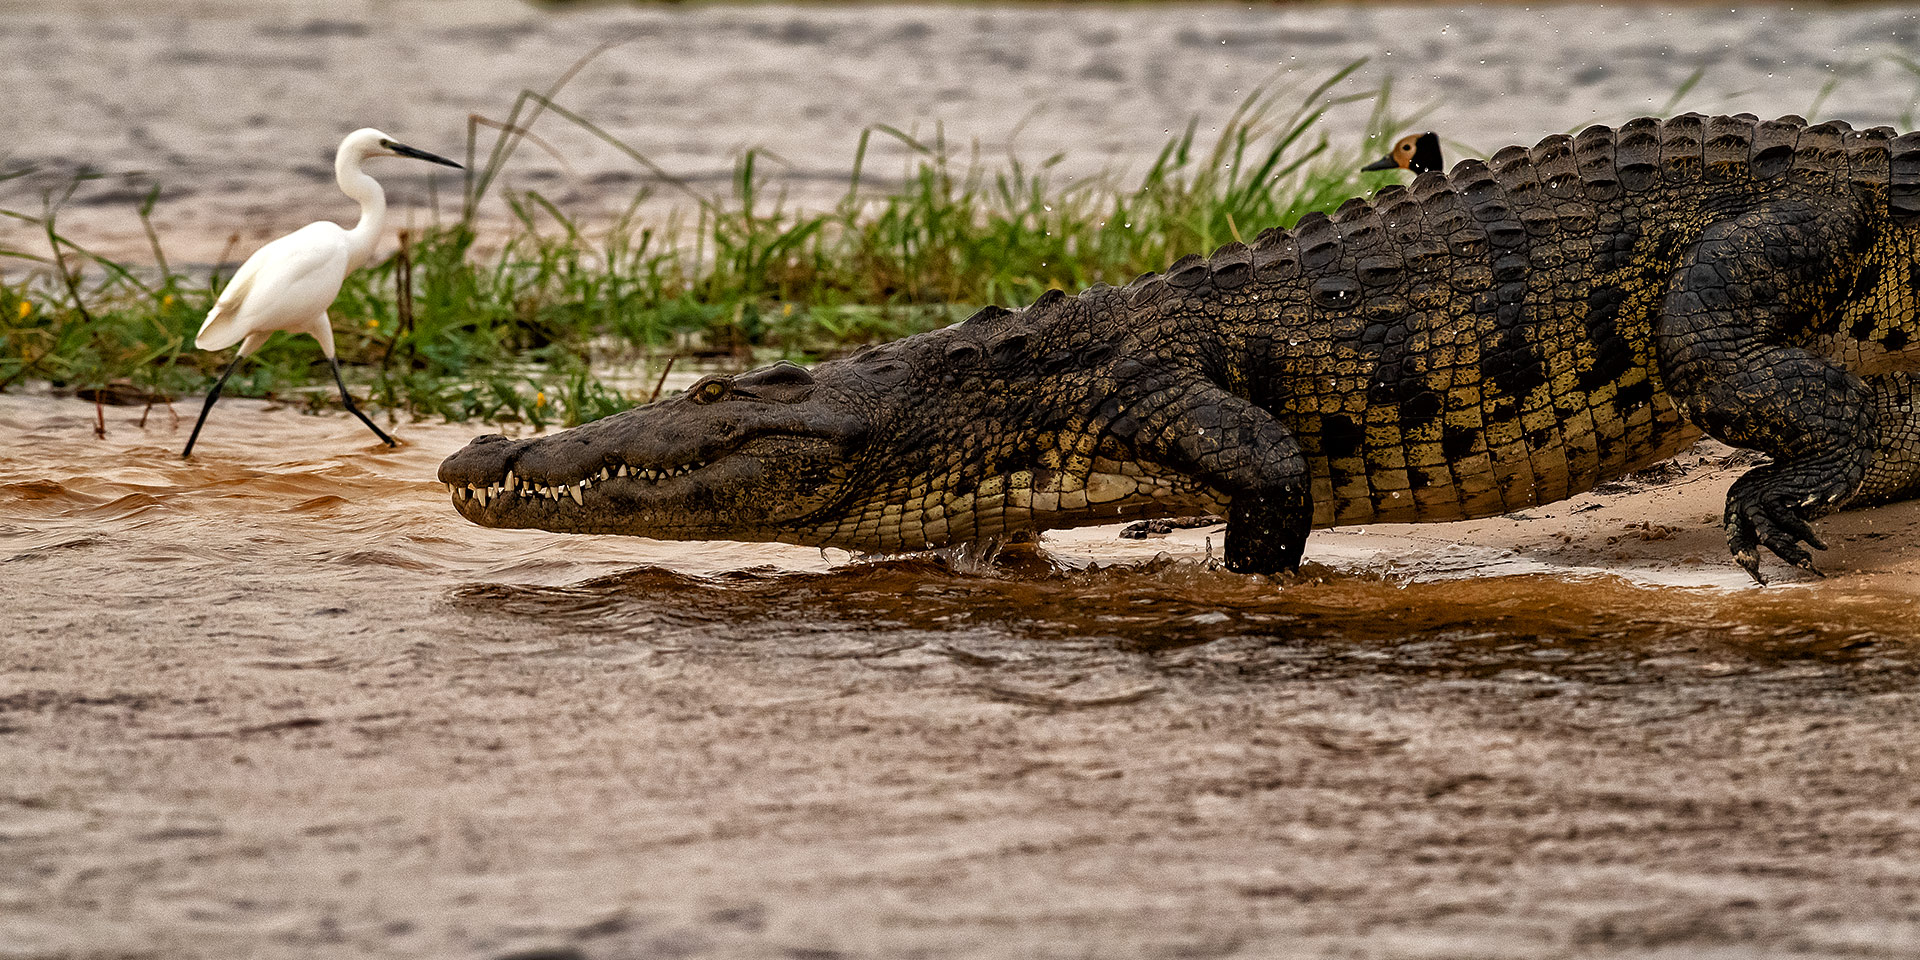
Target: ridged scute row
[
  {"x": 1519, "y": 194},
  {"x": 1903, "y": 192}
]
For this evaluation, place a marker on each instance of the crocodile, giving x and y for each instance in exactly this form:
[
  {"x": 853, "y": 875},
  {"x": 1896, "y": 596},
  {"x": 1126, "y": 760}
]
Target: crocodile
[{"x": 1508, "y": 333}]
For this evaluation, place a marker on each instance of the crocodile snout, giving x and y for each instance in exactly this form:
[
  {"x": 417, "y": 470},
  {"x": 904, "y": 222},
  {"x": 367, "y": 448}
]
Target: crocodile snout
[{"x": 484, "y": 460}]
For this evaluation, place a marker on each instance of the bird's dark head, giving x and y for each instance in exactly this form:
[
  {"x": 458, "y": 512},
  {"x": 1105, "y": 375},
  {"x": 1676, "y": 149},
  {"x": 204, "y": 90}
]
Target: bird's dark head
[{"x": 1416, "y": 152}]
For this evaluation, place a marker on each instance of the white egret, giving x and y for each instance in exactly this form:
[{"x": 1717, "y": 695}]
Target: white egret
[{"x": 289, "y": 283}]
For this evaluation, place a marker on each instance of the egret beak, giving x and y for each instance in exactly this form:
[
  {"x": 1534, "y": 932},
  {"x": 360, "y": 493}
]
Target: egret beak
[{"x": 402, "y": 150}]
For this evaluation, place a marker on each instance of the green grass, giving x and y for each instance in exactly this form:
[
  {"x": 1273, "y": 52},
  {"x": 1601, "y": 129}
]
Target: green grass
[{"x": 533, "y": 332}]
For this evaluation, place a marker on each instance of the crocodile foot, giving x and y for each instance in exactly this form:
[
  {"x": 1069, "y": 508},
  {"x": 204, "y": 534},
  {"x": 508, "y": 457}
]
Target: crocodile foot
[
  {"x": 1267, "y": 531},
  {"x": 1772, "y": 508}
]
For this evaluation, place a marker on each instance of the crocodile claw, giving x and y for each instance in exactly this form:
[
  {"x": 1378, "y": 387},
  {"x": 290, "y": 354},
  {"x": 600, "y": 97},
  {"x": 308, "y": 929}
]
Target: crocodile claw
[{"x": 1756, "y": 517}]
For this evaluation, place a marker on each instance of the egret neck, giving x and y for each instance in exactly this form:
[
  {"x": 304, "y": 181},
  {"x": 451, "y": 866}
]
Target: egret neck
[{"x": 357, "y": 185}]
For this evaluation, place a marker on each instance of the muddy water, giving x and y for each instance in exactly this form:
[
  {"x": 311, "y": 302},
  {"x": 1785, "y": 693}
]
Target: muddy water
[
  {"x": 234, "y": 108},
  {"x": 280, "y": 701}
]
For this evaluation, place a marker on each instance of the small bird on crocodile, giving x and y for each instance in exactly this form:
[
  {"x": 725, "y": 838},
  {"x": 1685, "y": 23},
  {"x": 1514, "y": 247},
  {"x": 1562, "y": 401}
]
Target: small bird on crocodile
[{"x": 1417, "y": 152}]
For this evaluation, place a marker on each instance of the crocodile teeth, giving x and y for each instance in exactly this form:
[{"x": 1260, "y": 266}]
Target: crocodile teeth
[
  {"x": 623, "y": 470},
  {"x": 574, "y": 492},
  {"x": 511, "y": 482}
]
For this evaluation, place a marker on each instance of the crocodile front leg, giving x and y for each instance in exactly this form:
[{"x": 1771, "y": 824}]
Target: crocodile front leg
[
  {"x": 1243, "y": 451},
  {"x": 1736, "y": 304}
]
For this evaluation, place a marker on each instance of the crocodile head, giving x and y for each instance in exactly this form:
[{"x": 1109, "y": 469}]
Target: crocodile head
[
  {"x": 926, "y": 441},
  {"x": 745, "y": 457}
]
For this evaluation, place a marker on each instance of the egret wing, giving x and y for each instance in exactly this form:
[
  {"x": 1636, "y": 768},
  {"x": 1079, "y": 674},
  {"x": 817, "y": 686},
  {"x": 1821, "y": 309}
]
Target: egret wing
[{"x": 283, "y": 286}]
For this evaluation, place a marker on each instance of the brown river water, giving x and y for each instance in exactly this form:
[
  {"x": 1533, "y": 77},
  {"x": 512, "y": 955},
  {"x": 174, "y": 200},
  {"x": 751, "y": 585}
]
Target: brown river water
[{"x": 280, "y": 700}]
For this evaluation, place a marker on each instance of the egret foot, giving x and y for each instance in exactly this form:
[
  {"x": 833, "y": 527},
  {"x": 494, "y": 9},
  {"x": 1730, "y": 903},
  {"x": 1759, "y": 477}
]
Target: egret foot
[
  {"x": 348, "y": 400},
  {"x": 212, "y": 395}
]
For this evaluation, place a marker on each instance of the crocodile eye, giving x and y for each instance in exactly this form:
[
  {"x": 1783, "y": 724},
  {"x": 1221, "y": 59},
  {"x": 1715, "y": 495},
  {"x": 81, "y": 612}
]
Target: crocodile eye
[{"x": 708, "y": 391}]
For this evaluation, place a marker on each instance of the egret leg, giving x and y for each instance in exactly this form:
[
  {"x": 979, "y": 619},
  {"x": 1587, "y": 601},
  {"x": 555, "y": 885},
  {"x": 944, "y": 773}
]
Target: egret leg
[
  {"x": 212, "y": 395},
  {"x": 344, "y": 398}
]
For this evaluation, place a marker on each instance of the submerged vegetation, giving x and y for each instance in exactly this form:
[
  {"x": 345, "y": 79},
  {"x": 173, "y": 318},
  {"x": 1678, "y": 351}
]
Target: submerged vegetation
[{"x": 533, "y": 326}]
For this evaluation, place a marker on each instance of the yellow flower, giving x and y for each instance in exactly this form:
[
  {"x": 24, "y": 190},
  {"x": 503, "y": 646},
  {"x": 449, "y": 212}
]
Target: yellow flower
[
  {"x": 166, "y": 301},
  {"x": 373, "y": 324},
  {"x": 539, "y": 398},
  {"x": 26, "y": 307},
  {"x": 786, "y": 310}
]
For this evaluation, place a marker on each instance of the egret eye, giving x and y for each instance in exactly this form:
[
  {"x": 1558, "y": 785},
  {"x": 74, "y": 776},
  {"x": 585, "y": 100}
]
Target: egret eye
[{"x": 711, "y": 390}]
